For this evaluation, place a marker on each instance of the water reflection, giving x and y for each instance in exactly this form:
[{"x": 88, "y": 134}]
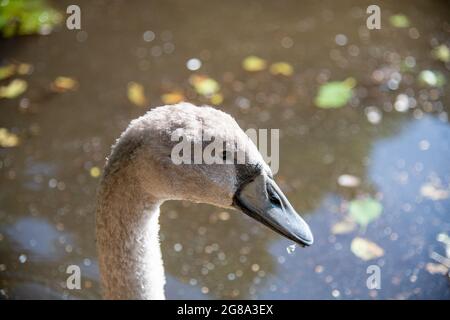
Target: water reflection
[{"x": 39, "y": 239}]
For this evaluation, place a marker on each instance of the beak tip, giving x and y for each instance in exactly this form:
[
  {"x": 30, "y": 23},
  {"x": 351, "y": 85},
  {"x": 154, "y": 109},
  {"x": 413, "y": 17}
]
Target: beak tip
[{"x": 308, "y": 241}]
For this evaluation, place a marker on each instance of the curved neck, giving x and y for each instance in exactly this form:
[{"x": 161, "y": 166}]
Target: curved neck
[{"x": 128, "y": 245}]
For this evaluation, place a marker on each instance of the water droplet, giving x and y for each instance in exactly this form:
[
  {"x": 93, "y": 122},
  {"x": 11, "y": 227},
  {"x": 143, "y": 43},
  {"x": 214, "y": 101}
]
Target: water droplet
[
  {"x": 424, "y": 145},
  {"x": 340, "y": 39},
  {"x": 290, "y": 249},
  {"x": 193, "y": 64},
  {"x": 402, "y": 103},
  {"x": 205, "y": 290},
  {"x": 335, "y": 293},
  {"x": 52, "y": 183},
  {"x": 148, "y": 36},
  {"x": 177, "y": 247},
  {"x": 373, "y": 115},
  {"x": 22, "y": 258}
]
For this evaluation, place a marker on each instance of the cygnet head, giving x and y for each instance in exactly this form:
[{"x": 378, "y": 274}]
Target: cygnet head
[{"x": 152, "y": 148}]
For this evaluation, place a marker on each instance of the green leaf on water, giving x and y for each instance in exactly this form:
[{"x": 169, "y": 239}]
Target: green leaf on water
[
  {"x": 431, "y": 78},
  {"x": 7, "y": 71},
  {"x": 24, "y": 17},
  {"x": 442, "y": 53},
  {"x": 399, "y": 21},
  {"x": 335, "y": 94},
  {"x": 364, "y": 211}
]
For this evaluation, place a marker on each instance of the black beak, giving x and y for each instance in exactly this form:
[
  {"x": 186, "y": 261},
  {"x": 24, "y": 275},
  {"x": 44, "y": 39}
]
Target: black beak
[{"x": 263, "y": 200}]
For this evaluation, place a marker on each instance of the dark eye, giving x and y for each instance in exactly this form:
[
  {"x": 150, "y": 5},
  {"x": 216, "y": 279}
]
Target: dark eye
[{"x": 273, "y": 196}]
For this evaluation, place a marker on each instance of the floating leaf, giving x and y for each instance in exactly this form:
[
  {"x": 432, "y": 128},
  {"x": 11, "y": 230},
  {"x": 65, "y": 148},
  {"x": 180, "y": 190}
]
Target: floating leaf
[
  {"x": 136, "y": 94},
  {"x": 7, "y": 71},
  {"x": 8, "y": 139},
  {"x": 14, "y": 89},
  {"x": 445, "y": 239},
  {"x": 24, "y": 17},
  {"x": 281, "y": 68},
  {"x": 436, "y": 268},
  {"x": 442, "y": 53},
  {"x": 95, "y": 172},
  {"x": 365, "y": 249},
  {"x": 364, "y": 211},
  {"x": 343, "y": 227},
  {"x": 433, "y": 192},
  {"x": 172, "y": 97},
  {"x": 431, "y": 78},
  {"x": 204, "y": 85},
  {"x": 217, "y": 99},
  {"x": 349, "y": 181},
  {"x": 254, "y": 63},
  {"x": 335, "y": 94},
  {"x": 24, "y": 69},
  {"x": 63, "y": 84},
  {"x": 399, "y": 21}
]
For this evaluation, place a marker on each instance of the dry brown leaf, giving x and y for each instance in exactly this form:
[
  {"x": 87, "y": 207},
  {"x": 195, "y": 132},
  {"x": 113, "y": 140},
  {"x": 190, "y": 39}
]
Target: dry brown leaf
[
  {"x": 366, "y": 249},
  {"x": 173, "y": 97},
  {"x": 343, "y": 227},
  {"x": 436, "y": 268},
  {"x": 63, "y": 84}
]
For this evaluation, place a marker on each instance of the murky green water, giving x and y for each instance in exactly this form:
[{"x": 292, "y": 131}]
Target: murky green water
[{"x": 47, "y": 193}]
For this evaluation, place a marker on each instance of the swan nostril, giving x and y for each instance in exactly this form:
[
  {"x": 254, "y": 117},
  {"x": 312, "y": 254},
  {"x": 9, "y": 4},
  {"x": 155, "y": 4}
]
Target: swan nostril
[{"x": 273, "y": 196}]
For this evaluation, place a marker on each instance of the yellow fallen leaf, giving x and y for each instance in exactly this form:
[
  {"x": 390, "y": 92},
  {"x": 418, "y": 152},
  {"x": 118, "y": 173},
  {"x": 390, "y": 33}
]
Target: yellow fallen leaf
[
  {"x": 8, "y": 139},
  {"x": 204, "y": 85},
  {"x": 281, "y": 68},
  {"x": 343, "y": 227},
  {"x": 7, "y": 71},
  {"x": 136, "y": 94},
  {"x": 95, "y": 172},
  {"x": 217, "y": 99},
  {"x": 24, "y": 68},
  {"x": 14, "y": 89},
  {"x": 172, "y": 97},
  {"x": 365, "y": 249},
  {"x": 62, "y": 84},
  {"x": 254, "y": 63}
]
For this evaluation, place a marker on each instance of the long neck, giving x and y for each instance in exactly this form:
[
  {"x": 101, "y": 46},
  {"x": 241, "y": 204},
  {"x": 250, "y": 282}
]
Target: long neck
[{"x": 128, "y": 245}]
